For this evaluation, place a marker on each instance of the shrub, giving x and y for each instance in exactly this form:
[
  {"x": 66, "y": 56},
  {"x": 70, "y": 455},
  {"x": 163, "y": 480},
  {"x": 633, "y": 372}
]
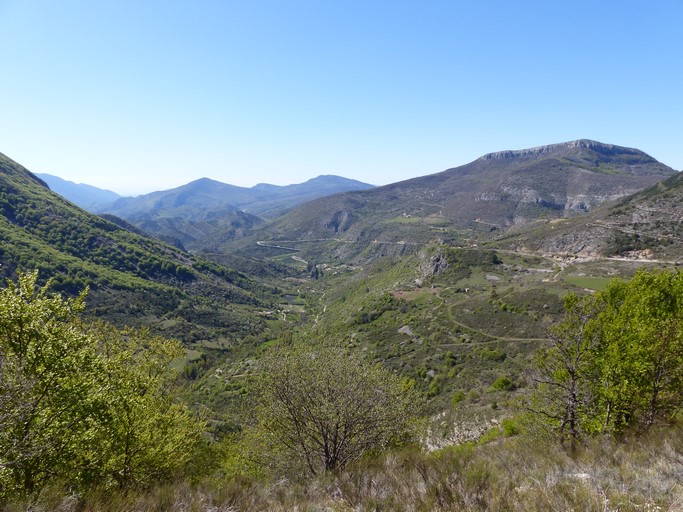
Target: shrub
[{"x": 325, "y": 407}]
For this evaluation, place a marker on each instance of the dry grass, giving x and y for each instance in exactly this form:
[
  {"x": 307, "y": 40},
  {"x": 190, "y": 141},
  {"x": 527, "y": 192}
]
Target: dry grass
[{"x": 642, "y": 474}]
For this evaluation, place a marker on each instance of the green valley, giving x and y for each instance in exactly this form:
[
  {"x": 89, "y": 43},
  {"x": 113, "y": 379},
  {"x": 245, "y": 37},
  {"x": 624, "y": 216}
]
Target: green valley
[{"x": 431, "y": 306}]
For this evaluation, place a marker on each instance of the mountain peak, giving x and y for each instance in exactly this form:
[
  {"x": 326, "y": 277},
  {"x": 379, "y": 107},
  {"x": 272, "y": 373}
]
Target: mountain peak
[
  {"x": 203, "y": 182},
  {"x": 562, "y": 149}
]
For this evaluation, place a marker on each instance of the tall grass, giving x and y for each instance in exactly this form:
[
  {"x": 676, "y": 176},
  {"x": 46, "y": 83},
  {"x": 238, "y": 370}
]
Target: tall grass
[{"x": 508, "y": 474}]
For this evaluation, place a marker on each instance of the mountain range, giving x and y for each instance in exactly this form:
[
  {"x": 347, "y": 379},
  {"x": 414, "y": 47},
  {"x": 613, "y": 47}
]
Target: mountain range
[
  {"x": 204, "y": 198},
  {"x": 86, "y": 196},
  {"x": 204, "y": 213},
  {"x": 494, "y": 193},
  {"x": 580, "y": 197},
  {"x": 477, "y": 262},
  {"x": 263, "y": 199},
  {"x": 335, "y": 216}
]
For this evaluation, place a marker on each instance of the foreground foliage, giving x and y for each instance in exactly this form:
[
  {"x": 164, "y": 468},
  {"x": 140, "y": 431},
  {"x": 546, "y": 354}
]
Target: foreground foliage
[
  {"x": 90, "y": 405},
  {"x": 87, "y": 413},
  {"x": 517, "y": 474},
  {"x": 615, "y": 363}
]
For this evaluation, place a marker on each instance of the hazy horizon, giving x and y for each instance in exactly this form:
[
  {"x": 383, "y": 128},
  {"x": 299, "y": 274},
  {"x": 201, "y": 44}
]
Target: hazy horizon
[
  {"x": 40, "y": 174},
  {"x": 135, "y": 97}
]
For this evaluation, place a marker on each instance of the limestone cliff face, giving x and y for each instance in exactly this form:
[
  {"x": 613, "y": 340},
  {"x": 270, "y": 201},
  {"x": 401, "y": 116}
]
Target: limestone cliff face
[
  {"x": 645, "y": 225},
  {"x": 567, "y": 148},
  {"x": 559, "y": 180},
  {"x": 340, "y": 221},
  {"x": 560, "y": 200}
]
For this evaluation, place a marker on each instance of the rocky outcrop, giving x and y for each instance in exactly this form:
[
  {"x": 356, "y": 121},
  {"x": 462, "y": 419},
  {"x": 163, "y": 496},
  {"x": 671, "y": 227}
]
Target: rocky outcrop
[
  {"x": 564, "y": 147},
  {"x": 340, "y": 221},
  {"x": 432, "y": 264}
]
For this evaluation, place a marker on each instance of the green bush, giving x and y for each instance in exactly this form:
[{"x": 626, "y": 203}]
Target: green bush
[{"x": 503, "y": 383}]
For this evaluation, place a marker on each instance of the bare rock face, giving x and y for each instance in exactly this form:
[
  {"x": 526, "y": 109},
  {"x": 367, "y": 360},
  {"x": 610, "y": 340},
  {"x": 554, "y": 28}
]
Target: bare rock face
[
  {"x": 555, "y": 201},
  {"x": 438, "y": 263},
  {"x": 340, "y": 221},
  {"x": 431, "y": 265},
  {"x": 565, "y": 148},
  {"x": 645, "y": 225}
]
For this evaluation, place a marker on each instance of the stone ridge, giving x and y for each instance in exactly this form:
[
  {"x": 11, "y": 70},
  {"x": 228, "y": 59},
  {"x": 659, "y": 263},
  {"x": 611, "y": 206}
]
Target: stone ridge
[{"x": 558, "y": 148}]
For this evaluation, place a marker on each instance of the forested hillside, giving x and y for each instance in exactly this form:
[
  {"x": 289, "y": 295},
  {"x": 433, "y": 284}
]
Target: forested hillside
[{"x": 133, "y": 279}]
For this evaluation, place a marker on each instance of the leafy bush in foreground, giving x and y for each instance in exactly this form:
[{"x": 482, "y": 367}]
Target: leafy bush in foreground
[
  {"x": 615, "y": 362},
  {"x": 89, "y": 405}
]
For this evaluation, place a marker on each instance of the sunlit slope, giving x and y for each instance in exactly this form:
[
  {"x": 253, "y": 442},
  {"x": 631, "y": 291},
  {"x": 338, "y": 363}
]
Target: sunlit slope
[{"x": 490, "y": 195}]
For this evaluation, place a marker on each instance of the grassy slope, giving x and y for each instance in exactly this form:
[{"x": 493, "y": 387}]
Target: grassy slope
[
  {"x": 459, "y": 333},
  {"x": 452, "y": 333},
  {"x": 504, "y": 474}
]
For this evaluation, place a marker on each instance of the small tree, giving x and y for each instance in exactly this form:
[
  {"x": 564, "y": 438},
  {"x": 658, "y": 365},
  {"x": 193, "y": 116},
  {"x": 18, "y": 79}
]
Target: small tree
[
  {"x": 47, "y": 370},
  {"x": 143, "y": 434},
  {"x": 563, "y": 371},
  {"x": 641, "y": 356},
  {"x": 326, "y": 408}
]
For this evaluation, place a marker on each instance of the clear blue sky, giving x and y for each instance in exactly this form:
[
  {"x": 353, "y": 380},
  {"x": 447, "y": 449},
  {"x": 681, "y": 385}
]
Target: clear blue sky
[{"x": 140, "y": 95}]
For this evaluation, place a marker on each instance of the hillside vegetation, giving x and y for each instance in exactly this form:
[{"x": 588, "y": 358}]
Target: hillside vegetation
[
  {"x": 134, "y": 279},
  {"x": 104, "y": 423}
]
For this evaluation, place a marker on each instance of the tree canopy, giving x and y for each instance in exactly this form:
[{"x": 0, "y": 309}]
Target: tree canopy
[
  {"x": 615, "y": 363},
  {"x": 90, "y": 404}
]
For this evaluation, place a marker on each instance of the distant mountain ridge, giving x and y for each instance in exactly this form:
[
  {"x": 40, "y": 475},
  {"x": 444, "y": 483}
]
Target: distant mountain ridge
[
  {"x": 264, "y": 200},
  {"x": 206, "y": 214},
  {"x": 85, "y": 196},
  {"x": 196, "y": 199},
  {"x": 495, "y": 192}
]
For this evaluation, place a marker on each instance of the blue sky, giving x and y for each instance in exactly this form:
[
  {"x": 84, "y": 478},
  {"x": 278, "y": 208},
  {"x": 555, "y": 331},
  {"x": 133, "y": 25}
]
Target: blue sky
[{"x": 137, "y": 96}]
